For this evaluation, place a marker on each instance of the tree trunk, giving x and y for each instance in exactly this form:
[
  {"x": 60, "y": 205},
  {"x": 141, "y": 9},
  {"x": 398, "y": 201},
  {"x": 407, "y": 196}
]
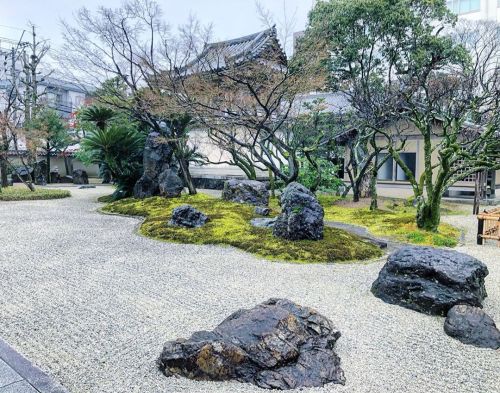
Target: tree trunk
[
  {"x": 48, "y": 165},
  {"x": 429, "y": 215},
  {"x": 355, "y": 193},
  {"x": 187, "y": 176},
  {"x": 271, "y": 183},
  {"x": 373, "y": 189},
  {"x": 3, "y": 173},
  {"x": 365, "y": 184}
]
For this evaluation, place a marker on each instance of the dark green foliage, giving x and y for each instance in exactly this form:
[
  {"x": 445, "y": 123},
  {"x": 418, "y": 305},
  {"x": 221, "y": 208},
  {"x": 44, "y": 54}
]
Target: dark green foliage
[
  {"x": 100, "y": 116},
  {"x": 119, "y": 147}
]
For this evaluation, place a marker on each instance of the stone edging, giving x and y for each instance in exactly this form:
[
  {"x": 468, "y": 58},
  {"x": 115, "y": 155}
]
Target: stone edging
[{"x": 29, "y": 372}]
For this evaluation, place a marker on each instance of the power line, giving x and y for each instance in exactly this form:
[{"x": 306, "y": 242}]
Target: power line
[{"x": 12, "y": 27}]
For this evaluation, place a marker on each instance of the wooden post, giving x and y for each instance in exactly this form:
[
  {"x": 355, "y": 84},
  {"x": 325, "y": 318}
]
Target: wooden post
[
  {"x": 480, "y": 228},
  {"x": 477, "y": 194}
]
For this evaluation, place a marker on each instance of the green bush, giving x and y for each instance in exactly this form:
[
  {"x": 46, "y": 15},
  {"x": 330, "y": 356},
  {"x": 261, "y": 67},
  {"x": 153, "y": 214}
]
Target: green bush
[{"x": 116, "y": 144}]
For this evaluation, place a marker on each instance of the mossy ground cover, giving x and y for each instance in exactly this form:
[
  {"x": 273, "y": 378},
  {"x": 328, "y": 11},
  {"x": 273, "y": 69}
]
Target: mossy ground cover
[
  {"x": 230, "y": 225},
  {"x": 394, "y": 220},
  {"x": 21, "y": 193}
]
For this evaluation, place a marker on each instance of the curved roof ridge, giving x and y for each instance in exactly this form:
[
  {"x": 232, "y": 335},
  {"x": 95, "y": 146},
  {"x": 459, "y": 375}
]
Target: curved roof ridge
[{"x": 251, "y": 37}]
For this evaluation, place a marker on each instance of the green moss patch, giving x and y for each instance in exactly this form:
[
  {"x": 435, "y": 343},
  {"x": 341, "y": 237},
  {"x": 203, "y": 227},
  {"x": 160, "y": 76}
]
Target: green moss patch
[
  {"x": 230, "y": 225},
  {"x": 393, "y": 220},
  {"x": 19, "y": 193}
]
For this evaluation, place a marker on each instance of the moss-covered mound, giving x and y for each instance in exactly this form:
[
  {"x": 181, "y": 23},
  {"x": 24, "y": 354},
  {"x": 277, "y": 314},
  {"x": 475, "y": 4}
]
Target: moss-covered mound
[
  {"x": 395, "y": 221},
  {"x": 19, "y": 193},
  {"x": 230, "y": 225}
]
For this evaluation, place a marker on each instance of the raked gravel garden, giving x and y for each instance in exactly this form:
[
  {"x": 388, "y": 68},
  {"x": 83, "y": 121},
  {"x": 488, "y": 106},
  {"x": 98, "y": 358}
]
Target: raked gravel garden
[{"x": 90, "y": 301}]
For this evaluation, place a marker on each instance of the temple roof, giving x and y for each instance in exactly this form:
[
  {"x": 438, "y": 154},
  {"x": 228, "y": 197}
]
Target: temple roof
[{"x": 219, "y": 55}]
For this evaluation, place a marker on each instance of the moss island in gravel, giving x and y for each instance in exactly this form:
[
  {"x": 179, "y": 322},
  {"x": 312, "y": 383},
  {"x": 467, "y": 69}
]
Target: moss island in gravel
[
  {"x": 230, "y": 225},
  {"x": 19, "y": 193},
  {"x": 394, "y": 220}
]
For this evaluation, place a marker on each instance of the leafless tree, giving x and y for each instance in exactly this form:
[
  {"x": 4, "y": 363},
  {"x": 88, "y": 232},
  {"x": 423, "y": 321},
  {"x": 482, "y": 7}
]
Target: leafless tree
[{"x": 126, "y": 43}]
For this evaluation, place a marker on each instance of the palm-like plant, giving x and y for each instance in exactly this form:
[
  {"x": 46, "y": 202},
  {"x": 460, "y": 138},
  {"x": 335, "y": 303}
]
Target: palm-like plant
[
  {"x": 99, "y": 115},
  {"x": 119, "y": 147}
]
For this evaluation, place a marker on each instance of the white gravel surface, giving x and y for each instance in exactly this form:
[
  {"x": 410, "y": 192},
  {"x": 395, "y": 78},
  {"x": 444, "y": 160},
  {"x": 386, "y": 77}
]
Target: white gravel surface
[{"x": 91, "y": 303}]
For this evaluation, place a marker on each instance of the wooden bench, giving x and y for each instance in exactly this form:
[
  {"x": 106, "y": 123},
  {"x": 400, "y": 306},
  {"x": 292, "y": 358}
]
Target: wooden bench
[{"x": 488, "y": 226}]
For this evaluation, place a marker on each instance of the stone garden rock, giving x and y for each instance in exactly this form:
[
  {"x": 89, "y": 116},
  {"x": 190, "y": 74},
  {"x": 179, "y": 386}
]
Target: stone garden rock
[
  {"x": 301, "y": 215},
  {"x": 170, "y": 184},
  {"x": 263, "y": 222},
  {"x": 80, "y": 177},
  {"x": 246, "y": 191},
  {"x": 157, "y": 158},
  {"x": 262, "y": 211},
  {"x": 431, "y": 280},
  {"x": 187, "y": 216},
  {"x": 473, "y": 326},
  {"x": 275, "y": 345}
]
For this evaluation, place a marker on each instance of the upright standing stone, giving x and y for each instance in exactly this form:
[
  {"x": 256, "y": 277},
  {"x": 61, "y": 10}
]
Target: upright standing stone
[
  {"x": 157, "y": 159},
  {"x": 301, "y": 215}
]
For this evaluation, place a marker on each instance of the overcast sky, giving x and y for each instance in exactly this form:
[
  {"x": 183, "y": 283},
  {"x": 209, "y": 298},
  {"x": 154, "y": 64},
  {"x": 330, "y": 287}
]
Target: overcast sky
[{"x": 230, "y": 18}]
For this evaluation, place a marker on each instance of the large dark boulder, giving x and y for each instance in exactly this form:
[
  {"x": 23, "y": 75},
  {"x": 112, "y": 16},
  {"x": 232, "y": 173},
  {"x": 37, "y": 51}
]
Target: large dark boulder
[
  {"x": 187, "y": 216},
  {"x": 275, "y": 345},
  {"x": 170, "y": 184},
  {"x": 431, "y": 280},
  {"x": 301, "y": 215},
  {"x": 473, "y": 326},
  {"x": 80, "y": 177},
  {"x": 158, "y": 154},
  {"x": 246, "y": 191}
]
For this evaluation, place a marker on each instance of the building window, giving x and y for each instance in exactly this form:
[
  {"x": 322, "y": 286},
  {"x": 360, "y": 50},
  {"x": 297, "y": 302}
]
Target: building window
[
  {"x": 386, "y": 170},
  {"x": 390, "y": 171},
  {"x": 464, "y": 6},
  {"x": 410, "y": 160}
]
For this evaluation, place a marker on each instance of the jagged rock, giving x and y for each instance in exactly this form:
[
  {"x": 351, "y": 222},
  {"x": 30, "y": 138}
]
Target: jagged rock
[
  {"x": 145, "y": 188},
  {"x": 170, "y": 184},
  {"x": 246, "y": 191},
  {"x": 473, "y": 326},
  {"x": 157, "y": 159},
  {"x": 80, "y": 177},
  {"x": 275, "y": 345},
  {"x": 301, "y": 214},
  {"x": 262, "y": 211},
  {"x": 187, "y": 216},
  {"x": 263, "y": 222},
  {"x": 431, "y": 280}
]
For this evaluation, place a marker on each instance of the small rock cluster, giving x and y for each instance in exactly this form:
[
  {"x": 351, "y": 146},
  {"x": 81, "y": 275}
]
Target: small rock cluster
[
  {"x": 187, "y": 216},
  {"x": 440, "y": 282},
  {"x": 275, "y": 345},
  {"x": 301, "y": 215},
  {"x": 160, "y": 175}
]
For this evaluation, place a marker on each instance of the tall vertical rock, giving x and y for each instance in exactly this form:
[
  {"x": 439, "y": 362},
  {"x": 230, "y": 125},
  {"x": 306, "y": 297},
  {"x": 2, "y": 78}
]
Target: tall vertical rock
[
  {"x": 160, "y": 172},
  {"x": 301, "y": 215}
]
